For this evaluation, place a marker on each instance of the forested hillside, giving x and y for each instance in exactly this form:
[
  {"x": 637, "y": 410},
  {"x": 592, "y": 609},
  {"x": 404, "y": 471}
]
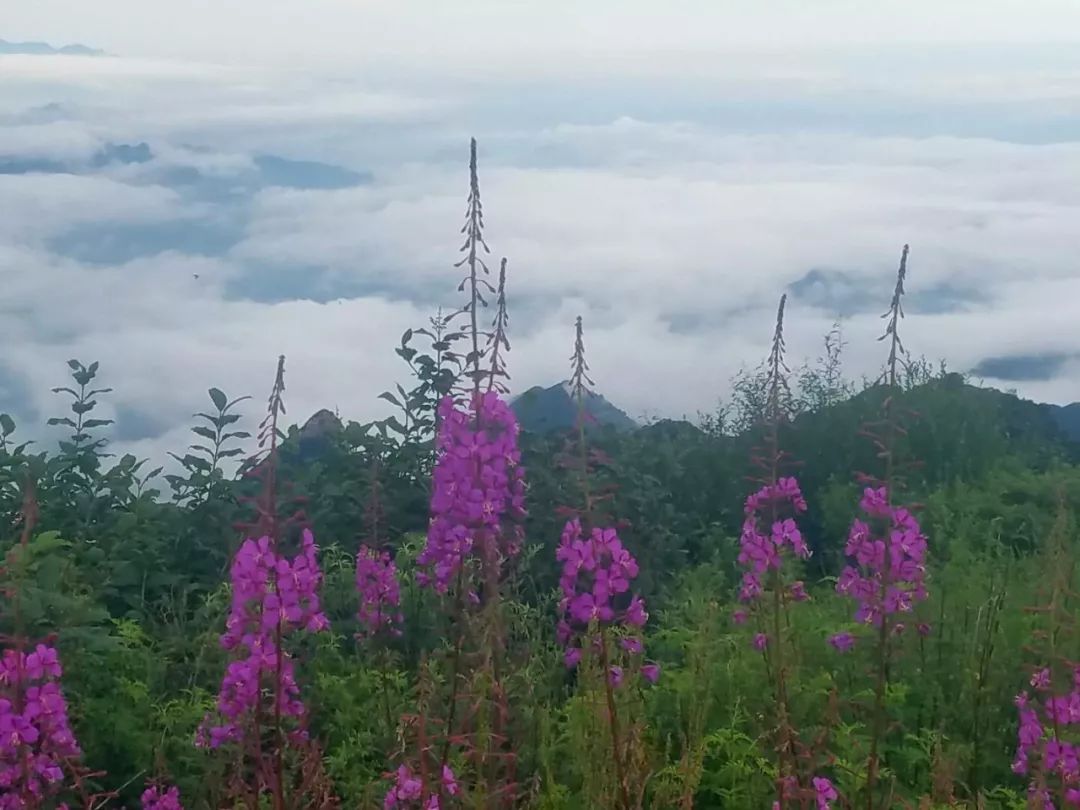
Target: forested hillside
[{"x": 823, "y": 593}]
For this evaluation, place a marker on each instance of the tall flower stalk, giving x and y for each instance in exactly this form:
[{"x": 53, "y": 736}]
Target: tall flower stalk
[
  {"x": 601, "y": 616},
  {"x": 887, "y": 548},
  {"x": 260, "y": 713},
  {"x": 477, "y": 509},
  {"x": 1048, "y": 736},
  {"x": 769, "y": 535}
]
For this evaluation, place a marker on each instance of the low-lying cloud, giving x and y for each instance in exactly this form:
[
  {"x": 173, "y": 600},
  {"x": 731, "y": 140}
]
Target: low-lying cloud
[{"x": 673, "y": 236}]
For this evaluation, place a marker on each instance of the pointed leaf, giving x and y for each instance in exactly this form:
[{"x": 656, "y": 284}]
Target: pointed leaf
[{"x": 219, "y": 399}]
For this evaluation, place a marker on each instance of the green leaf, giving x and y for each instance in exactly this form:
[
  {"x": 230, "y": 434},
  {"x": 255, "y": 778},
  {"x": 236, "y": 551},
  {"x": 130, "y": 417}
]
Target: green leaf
[
  {"x": 7, "y": 424},
  {"x": 220, "y": 400},
  {"x": 205, "y": 432},
  {"x": 46, "y": 543},
  {"x": 390, "y": 398}
]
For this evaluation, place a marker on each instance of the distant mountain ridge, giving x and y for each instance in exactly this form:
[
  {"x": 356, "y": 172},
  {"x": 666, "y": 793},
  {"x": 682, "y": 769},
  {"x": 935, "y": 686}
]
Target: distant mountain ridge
[
  {"x": 542, "y": 410},
  {"x": 45, "y": 49},
  {"x": 1067, "y": 418}
]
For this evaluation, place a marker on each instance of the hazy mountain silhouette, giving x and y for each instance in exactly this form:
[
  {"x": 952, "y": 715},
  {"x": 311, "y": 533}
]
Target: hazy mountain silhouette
[
  {"x": 541, "y": 410},
  {"x": 45, "y": 49}
]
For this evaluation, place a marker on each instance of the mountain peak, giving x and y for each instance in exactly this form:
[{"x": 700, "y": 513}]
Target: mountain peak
[
  {"x": 45, "y": 49},
  {"x": 543, "y": 410}
]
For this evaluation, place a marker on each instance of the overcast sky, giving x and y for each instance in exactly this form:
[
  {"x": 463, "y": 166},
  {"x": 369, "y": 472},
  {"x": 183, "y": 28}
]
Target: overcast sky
[{"x": 667, "y": 170}]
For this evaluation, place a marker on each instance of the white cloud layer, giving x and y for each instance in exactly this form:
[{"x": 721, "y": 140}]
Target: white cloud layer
[{"x": 669, "y": 210}]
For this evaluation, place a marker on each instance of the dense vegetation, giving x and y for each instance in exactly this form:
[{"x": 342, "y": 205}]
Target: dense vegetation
[{"x": 662, "y": 617}]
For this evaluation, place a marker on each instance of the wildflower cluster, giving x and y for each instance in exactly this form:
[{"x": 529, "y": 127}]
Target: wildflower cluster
[
  {"x": 380, "y": 593},
  {"x": 761, "y": 552},
  {"x": 272, "y": 596},
  {"x": 595, "y": 581},
  {"x": 889, "y": 577},
  {"x": 157, "y": 798},
  {"x": 822, "y": 792},
  {"x": 408, "y": 791},
  {"x": 1041, "y": 752},
  {"x": 35, "y": 738},
  {"x": 478, "y": 497}
]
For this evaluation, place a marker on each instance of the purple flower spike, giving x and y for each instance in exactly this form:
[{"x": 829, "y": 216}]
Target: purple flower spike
[
  {"x": 379, "y": 591},
  {"x": 889, "y": 560},
  {"x": 478, "y": 493}
]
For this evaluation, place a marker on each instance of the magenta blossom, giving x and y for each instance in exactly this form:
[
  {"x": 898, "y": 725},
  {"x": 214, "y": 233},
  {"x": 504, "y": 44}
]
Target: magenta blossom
[
  {"x": 272, "y": 597},
  {"x": 1048, "y": 736},
  {"x": 408, "y": 791},
  {"x": 379, "y": 592},
  {"x": 478, "y": 489},
  {"x": 842, "y": 642},
  {"x": 890, "y": 561},
  {"x": 597, "y": 573},
  {"x": 157, "y": 798},
  {"x": 35, "y": 737},
  {"x": 824, "y": 792},
  {"x": 770, "y": 535}
]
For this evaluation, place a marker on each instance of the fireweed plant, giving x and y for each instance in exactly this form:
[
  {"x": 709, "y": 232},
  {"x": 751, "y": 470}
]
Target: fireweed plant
[
  {"x": 602, "y": 618},
  {"x": 260, "y": 717},
  {"x": 159, "y": 797},
  {"x": 36, "y": 741},
  {"x": 477, "y": 511},
  {"x": 1048, "y": 735},
  {"x": 769, "y": 536},
  {"x": 377, "y": 585},
  {"x": 886, "y": 548}
]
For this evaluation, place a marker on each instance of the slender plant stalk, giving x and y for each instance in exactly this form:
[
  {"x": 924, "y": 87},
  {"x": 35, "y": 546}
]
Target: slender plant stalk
[{"x": 896, "y": 349}]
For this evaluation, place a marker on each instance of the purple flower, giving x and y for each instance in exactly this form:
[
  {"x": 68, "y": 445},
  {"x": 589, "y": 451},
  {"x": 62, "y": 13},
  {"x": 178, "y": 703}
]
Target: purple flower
[
  {"x": 761, "y": 641},
  {"x": 478, "y": 489},
  {"x": 890, "y": 555},
  {"x": 615, "y": 676},
  {"x": 272, "y": 597},
  {"x": 406, "y": 790},
  {"x": 572, "y": 657},
  {"x": 739, "y": 617},
  {"x": 650, "y": 672},
  {"x": 824, "y": 792},
  {"x": 595, "y": 580},
  {"x": 156, "y": 798},
  {"x": 636, "y": 613},
  {"x": 842, "y": 642},
  {"x": 379, "y": 591},
  {"x": 35, "y": 737}
]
